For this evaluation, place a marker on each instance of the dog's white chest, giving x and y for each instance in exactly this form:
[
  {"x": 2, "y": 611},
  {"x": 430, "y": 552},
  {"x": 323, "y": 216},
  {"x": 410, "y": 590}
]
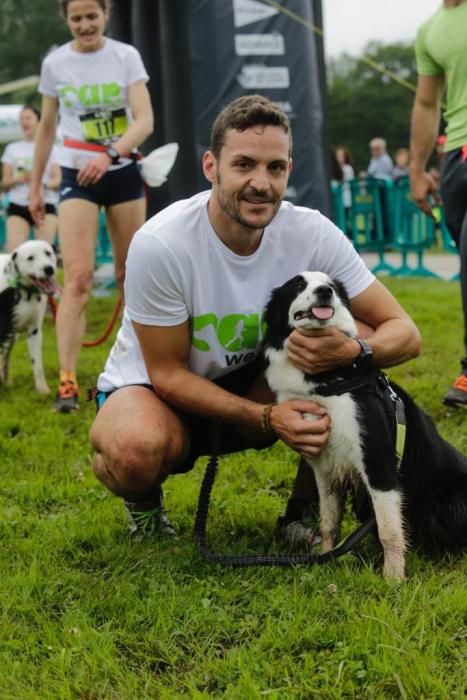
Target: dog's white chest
[
  {"x": 29, "y": 311},
  {"x": 343, "y": 452}
]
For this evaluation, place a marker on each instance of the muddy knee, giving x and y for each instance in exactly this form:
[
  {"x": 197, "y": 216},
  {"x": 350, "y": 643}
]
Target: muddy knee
[{"x": 131, "y": 470}]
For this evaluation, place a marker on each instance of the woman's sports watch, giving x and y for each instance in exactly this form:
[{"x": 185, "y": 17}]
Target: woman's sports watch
[
  {"x": 365, "y": 359},
  {"x": 113, "y": 154}
]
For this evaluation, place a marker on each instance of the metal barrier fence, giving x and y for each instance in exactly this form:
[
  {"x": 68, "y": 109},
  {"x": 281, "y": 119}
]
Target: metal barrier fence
[{"x": 381, "y": 216}]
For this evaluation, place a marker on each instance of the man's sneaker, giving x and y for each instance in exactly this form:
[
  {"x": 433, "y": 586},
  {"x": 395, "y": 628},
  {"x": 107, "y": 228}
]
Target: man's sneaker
[
  {"x": 299, "y": 524},
  {"x": 457, "y": 394},
  {"x": 67, "y": 397},
  {"x": 149, "y": 522}
]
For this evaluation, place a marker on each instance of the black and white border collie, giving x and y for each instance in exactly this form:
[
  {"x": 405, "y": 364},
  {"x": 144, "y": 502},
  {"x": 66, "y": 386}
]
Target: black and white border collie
[
  {"x": 26, "y": 280},
  {"x": 422, "y": 498}
]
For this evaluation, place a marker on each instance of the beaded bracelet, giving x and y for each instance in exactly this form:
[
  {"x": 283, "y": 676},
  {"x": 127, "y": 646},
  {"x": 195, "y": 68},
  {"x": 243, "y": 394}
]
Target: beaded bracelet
[{"x": 266, "y": 426}]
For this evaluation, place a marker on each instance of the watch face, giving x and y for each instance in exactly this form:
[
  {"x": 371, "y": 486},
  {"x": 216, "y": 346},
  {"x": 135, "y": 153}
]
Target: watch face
[{"x": 114, "y": 154}]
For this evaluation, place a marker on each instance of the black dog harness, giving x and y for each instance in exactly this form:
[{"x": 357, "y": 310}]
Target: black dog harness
[{"x": 372, "y": 381}]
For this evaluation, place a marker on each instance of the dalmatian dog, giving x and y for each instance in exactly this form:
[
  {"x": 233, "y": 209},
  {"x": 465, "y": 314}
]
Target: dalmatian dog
[{"x": 26, "y": 280}]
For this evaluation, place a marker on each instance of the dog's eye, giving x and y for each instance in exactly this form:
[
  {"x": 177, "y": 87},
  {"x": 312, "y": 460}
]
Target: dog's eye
[
  {"x": 299, "y": 283},
  {"x": 47, "y": 253},
  {"x": 30, "y": 257}
]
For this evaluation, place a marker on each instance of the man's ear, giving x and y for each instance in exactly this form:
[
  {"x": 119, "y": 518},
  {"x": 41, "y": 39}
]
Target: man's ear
[{"x": 210, "y": 166}]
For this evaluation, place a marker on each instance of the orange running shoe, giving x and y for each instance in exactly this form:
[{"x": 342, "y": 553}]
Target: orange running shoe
[
  {"x": 457, "y": 394},
  {"x": 66, "y": 400}
]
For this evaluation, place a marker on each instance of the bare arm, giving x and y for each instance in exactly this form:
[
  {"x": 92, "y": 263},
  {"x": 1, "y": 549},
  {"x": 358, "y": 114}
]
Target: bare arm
[
  {"x": 140, "y": 128},
  {"x": 45, "y": 138},
  {"x": 9, "y": 180},
  {"x": 143, "y": 119},
  {"x": 54, "y": 182},
  {"x": 424, "y": 130},
  {"x": 395, "y": 338},
  {"x": 165, "y": 352}
]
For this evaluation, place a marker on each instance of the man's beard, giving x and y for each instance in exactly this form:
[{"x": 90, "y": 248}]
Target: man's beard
[{"x": 228, "y": 205}]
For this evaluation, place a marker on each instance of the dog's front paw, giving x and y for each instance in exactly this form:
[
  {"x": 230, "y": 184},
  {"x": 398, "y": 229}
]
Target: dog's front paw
[
  {"x": 394, "y": 571},
  {"x": 42, "y": 389}
]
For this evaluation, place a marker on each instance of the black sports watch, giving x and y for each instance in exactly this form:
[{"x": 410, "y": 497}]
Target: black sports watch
[
  {"x": 113, "y": 154},
  {"x": 365, "y": 359}
]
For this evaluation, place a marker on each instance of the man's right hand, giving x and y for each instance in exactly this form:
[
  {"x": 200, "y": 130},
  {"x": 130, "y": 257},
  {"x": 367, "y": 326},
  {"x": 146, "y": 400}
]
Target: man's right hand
[
  {"x": 302, "y": 425},
  {"x": 422, "y": 185}
]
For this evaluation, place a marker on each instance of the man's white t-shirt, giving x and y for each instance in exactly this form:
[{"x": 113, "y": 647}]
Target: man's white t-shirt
[
  {"x": 92, "y": 90},
  {"x": 178, "y": 269},
  {"x": 20, "y": 155}
]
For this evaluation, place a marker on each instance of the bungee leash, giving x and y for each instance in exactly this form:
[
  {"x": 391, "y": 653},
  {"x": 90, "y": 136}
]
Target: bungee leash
[
  {"x": 243, "y": 560},
  {"x": 382, "y": 386}
]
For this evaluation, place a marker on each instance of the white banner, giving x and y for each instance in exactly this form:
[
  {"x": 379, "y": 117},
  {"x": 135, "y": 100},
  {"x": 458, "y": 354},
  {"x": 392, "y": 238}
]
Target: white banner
[{"x": 10, "y": 129}]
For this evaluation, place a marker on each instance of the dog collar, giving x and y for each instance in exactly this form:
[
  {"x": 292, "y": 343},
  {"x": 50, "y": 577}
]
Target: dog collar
[
  {"x": 16, "y": 284},
  {"x": 348, "y": 379}
]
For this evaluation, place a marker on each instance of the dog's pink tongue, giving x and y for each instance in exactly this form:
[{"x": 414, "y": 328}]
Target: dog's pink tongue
[
  {"x": 49, "y": 286},
  {"x": 323, "y": 313}
]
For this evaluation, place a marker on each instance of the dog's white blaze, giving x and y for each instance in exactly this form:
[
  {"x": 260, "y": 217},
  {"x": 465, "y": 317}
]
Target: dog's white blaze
[{"x": 342, "y": 318}]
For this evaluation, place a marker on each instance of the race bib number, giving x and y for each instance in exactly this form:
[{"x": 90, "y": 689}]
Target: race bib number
[{"x": 105, "y": 125}]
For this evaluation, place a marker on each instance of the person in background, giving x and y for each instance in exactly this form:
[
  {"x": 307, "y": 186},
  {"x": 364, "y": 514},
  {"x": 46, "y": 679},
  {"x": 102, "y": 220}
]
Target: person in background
[
  {"x": 17, "y": 160},
  {"x": 337, "y": 174},
  {"x": 344, "y": 158},
  {"x": 401, "y": 163},
  {"x": 442, "y": 66},
  {"x": 97, "y": 87},
  {"x": 380, "y": 164},
  {"x": 199, "y": 274}
]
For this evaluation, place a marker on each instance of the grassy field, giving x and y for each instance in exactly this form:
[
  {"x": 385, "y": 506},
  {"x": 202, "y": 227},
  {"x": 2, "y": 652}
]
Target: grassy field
[{"x": 87, "y": 614}]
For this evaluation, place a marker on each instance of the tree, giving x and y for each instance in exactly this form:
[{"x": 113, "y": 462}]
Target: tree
[
  {"x": 364, "y": 102},
  {"x": 28, "y": 30}
]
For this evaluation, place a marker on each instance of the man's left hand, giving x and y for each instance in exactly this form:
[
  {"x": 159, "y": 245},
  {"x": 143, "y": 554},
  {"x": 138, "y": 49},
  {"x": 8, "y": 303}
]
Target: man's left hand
[{"x": 321, "y": 350}]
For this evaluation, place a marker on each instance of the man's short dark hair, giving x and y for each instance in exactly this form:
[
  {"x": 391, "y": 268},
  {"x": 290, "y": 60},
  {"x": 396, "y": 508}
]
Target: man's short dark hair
[{"x": 245, "y": 112}]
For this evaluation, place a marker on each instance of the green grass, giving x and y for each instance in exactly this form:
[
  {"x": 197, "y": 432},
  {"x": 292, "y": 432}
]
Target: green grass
[{"x": 86, "y": 614}]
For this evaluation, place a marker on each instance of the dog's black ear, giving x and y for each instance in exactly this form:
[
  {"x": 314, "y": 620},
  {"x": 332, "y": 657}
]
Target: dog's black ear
[
  {"x": 276, "y": 315},
  {"x": 14, "y": 255},
  {"x": 341, "y": 292}
]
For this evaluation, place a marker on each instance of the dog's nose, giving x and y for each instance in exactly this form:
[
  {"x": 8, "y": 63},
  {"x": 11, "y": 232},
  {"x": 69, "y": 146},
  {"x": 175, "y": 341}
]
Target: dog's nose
[
  {"x": 48, "y": 270},
  {"x": 324, "y": 291}
]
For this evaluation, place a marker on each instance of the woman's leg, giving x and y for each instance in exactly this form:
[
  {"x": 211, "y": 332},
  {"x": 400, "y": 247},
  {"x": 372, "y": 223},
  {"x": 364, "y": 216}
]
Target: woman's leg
[
  {"x": 48, "y": 229},
  {"x": 123, "y": 220},
  {"x": 17, "y": 232},
  {"x": 78, "y": 224}
]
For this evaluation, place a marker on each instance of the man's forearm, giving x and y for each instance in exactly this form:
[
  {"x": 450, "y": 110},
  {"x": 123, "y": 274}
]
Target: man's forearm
[
  {"x": 423, "y": 134},
  {"x": 189, "y": 392},
  {"x": 395, "y": 342}
]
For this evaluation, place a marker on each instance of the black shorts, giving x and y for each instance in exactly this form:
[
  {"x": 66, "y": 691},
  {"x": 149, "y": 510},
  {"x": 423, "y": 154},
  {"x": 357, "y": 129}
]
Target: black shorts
[
  {"x": 201, "y": 429},
  {"x": 24, "y": 213},
  {"x": 454, "y": 191},
  {"x": 115, "y": 187}
]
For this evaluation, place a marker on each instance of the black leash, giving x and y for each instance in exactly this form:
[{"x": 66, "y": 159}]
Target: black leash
[{"x": 242, "y": 560}]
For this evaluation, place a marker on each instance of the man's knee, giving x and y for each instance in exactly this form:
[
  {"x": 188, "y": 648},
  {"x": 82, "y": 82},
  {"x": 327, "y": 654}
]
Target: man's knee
[{"x": 134, "y": 463}]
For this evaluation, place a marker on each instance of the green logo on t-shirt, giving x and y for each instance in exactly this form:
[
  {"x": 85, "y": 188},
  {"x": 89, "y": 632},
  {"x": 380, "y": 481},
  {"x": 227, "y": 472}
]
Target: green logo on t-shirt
[
  {"x": 91, "y": 95},
  {"x": 235, "y": 332}
]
